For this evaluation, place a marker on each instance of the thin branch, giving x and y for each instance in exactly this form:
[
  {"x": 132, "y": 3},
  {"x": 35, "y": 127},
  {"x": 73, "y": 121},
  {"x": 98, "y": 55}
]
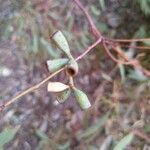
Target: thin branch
[
  {"x": 135, "y": 63},
  {"x": 90, "y": 48},
  {"x": 113, "y": 58},
  {"x": 35, "y": 87},
  {"x": 127, "y": 46},
  {"x": 141, "y": 135},
  {"x": 136, "y": 47},
  {"x": 131, "y": 40},
  {"x": 89, "y": 19},
  {"x": 29, "y": 90}
]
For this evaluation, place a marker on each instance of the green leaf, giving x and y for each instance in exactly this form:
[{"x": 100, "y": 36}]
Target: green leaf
[
  {"x": 56, "y": 64},
  {"x": 145, "y": 6},
  {"x": 96, "y": 128},
  {"x": 123, "y": 143},
  {"x": 81, "y": 98},
  {"x": 46, "y": 142},
  {"x": 122, "y": 72},
  {"x": 35, "y": 38},
  {"x": 92, "y": 147},
  {"x": 147, "y": 128},
  {"x": 140, "y": 33},
  {"x": 102, "y": 4},
  {"x": 146, "y": 43},
  {"x": 137, "y": 75},
  {"x": 95, "y": 10},
  {"x": 64, "y": 146},
  {"x": 42, "y": 135},
  {"x": 48, "y": 47},
  {"x": 7, "y": 135}
]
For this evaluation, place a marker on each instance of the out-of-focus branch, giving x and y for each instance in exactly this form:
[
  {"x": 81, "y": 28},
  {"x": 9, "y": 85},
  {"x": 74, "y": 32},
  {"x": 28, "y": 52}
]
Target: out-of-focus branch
[
  {"x": 90, "y": 21},
  {"x": 141, "y": 135},
  {"x": 131, "y": 40}
]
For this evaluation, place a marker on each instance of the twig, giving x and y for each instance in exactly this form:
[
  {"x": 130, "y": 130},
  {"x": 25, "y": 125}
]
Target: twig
[
  {"x": 91, "y": 23},
  {"x": 136, "y": 47},
  {"x": 35, "y": 87},
  {"x": 29, "y": 90},
  {"x": 113, "y": 58},
  {"x": 90, "y": 48},
  {"x": 141, "y": 135},
  {"x": 134, "y": 63},
  {"x": 131, "y": 40},
  {"x": 127, "y": 46},
  {"x": 97, "y": 34}
]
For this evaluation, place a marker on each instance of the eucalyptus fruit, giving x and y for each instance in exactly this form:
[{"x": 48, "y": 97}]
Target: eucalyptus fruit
[
  {"x": 61, "y": 43},
  {"x": 56, "y": 87},
  {"x": 72, "y": 68},
  {"x": 62, "y": 90},
  {"x": 63, "y": 96},
  {"x": 56, "y": 64},
  {"x": 81, "y": 98}
]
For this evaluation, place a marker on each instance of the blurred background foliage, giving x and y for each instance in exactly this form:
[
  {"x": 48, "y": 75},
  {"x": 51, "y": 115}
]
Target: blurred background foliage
[{"x": 25, "y": 30}]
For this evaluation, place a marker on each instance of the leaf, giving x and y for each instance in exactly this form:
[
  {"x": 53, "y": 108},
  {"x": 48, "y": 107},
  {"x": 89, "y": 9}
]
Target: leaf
[
  {"x": 96, "y": 128},
  {"x": 61, "y": 42},
  {"x": 106, "y": 77},
  {"x": 7, "y": 135},
  {"x": 122, "y": 72},
  {"x": 137, "y": 75},
  {"x": 124, "y": 142},
  {"x": 145, "y": 6},
  {"x": 102, "y": 4},
  {"x": 48, "y": 47},
  {"x": 147, "y": 128},
  {"x": 140, "y": 33},
  {"x": 81, "y": 98},
  {"x": 46, "y": 142},
  {"x": 42, "y": 135},
  {"x": 95, "y": 10},
  {"x": 35, "y": 37},
  {"x": 56, "y": 64},
  {"x": 92, "y": 147},
  {"x": 64, "y": 146},
  {"x": 56, "y": 87}
]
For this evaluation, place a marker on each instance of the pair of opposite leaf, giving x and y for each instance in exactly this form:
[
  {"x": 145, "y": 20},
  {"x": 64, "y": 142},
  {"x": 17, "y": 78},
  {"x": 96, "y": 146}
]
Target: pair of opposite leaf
[{"x": 63, "y": 91}]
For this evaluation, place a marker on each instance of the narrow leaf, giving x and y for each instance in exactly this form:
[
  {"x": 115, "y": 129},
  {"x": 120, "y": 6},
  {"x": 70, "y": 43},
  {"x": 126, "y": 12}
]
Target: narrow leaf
[
  {"x": 96, "y": 128},
  {"x": 7, "y": 135},
  {"x": 48, "y": 47},
  {"x": 35, "y": 37},
  {"x": 81, "y": 98},
  {"x": 42, "y": 135},
  {"x": 56, "y": 87},
  {"x": 123, "y": 143},
  {"x": 56, "y": 64},
  {"x": 122, "y": 72},
  {"x": 46, "y": 142}
]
